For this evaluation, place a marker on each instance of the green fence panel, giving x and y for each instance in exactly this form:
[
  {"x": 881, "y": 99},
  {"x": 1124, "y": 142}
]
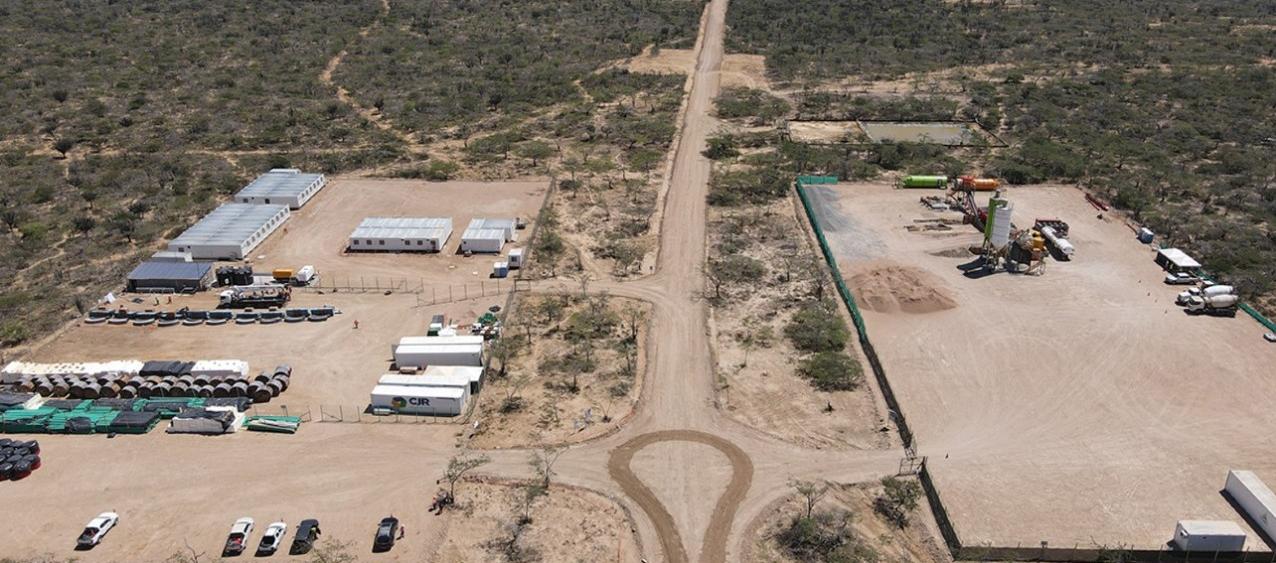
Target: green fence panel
[{"x": 1259, "y": 317}]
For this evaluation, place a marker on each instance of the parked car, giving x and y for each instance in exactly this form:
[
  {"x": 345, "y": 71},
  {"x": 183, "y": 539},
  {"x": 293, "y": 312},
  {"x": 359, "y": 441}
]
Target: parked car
[
  {"x": 272, "y": 538},
  {"x": 386, "y": 532},
  {"x": 307, "y": 533},
  {"x": 96, "y": 530},
  {"x": 238, "y": 539},
  {"x": 1181, "y": 278}
]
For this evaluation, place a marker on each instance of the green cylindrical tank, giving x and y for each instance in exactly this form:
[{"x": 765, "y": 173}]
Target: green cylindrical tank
[{"x": 925, "y": 181}]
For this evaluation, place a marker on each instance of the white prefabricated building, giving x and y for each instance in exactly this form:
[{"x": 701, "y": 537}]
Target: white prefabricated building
[
  {"x": 1253, "y": 496},
  {"x": 1209, "y": 535},
  {"x": 231, "y": 231},
  {"x": 422, "y": 355},
  {"x": 445, "y": 401},
  {"x": 437, "y": 341},
  {"x": 401, "y": 234},
  {"x": 282, "y": 186},
  {"x": 425, "y": 380},
  {"x": 488, "y": 235},
  {"x": 472, "y": 373},
  {"x": 1175, "y": 260}
]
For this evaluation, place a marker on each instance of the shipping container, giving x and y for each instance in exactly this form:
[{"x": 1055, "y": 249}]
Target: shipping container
[
  {"x": 1254, "y": 498},
  {"x": 429, "y": 355},
  {"x": 516, "y": 259},
  {"x": 439, "y": 401},
  {"x": 1209, "y": 535}
]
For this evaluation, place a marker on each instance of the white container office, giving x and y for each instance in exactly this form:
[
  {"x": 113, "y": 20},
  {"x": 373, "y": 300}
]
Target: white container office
[
  {"x": 473, "y": 374},
  {"x": 401, "y": 234},
  {"x": 484, "y": 241},
  {"x": 1253, "y": 496},
  {"x": 231, "y": 231},
  {"x": 1209, "y": 535},
  {"x": 424, "y": 380},
  {"x": 418, "y": 355},
  {"x": 439, "y": 401},
  {"x": 516, "y": 258}
]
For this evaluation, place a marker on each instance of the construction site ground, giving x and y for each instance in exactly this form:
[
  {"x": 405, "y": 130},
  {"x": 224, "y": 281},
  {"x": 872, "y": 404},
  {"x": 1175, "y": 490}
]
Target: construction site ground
[
  {"x": 318, "y": 233},
  {"x": 1078, "y": 407}
]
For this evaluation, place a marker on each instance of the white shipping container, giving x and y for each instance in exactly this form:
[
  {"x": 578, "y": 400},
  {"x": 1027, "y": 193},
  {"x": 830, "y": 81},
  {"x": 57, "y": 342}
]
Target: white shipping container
[
  {"x": 1209, "y": 535},
  {"x": 440, "y": 340},
  {"x": 1253, "y": 496},
  {"x": 428, "y": 355},
  {"x": 446, "y": 401},
  {"x": 516, "y": 259}
]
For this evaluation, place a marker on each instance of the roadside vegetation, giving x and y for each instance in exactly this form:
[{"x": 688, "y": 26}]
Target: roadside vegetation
[
  {"x": 830, "y": 522},
  {"x": 1164, "y": 109},
  {"x": 567, "y": 364}
]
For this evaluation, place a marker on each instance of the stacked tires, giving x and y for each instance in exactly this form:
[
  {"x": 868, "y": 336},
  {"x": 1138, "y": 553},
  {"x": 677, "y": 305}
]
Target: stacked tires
[{"x": 18, "y": 459}]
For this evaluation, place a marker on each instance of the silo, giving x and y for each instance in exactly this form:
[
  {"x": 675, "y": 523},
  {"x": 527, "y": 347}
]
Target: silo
[{"x": 997, "y": 229}]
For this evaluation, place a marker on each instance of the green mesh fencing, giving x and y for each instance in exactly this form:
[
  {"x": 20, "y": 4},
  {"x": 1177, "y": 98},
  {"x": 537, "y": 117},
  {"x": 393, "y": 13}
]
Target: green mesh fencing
[{"x": 1259, "y": 317}]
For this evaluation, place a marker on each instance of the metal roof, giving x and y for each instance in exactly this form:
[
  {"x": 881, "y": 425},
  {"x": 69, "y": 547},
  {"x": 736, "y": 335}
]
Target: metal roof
[
  {"x": 153, "y": 270},
  {"x": 280, "y": 182},
  {"x": 484, "y": 234},
  {"x": 419, "y": 391},
  {"x": 485, "y": 223},
  {"x": 403, "y": 227},
  {"x": 1211, "y": 527},
  {"x": 230, "y": 224},
  {"x": 1179, "y": 258}
]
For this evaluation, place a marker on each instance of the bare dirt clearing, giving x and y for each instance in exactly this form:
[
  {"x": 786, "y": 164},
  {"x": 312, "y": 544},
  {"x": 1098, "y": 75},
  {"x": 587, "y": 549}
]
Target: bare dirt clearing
[
  {"x": 886, "y": 287},
  {"x": 568, "y": 524},
  {"x": 318, "y": 233},
  {"x": 1085, "y": 389}
]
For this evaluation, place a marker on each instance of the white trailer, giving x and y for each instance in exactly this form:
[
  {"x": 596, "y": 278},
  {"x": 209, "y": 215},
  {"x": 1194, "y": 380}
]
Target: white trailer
[
  {"x": 1255, "y": 499},
  {"x": 400, "y": 234},
  {"x": 437, "y": 341},
  {"x": 1209, "y": 535},
  {"x": 444, "y": 401},
  {"x": 417, "y": 355}
]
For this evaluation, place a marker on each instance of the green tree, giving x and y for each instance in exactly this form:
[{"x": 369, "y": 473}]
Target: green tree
[
  {"x": 817, "y": 328},
  {"x": 832, "y": 371}
]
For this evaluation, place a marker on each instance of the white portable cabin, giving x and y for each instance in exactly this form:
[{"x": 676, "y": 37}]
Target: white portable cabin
[
  {"x": 488, "y": 235},
  {"x": 437, "y": 341},
  {"x": 282, "y": 186},
  {"x": 1253, "y": 496},
  {"x": 1209, "y": 535},
  {"x": 401, "y": 234},
  {"x": 418, "y": 355},
  {"x": 516, "y": 259},
  {"x": 231, "y": 231},
  {"x": 445, "y": 401},
  {"x": 1175, "y": 260}
]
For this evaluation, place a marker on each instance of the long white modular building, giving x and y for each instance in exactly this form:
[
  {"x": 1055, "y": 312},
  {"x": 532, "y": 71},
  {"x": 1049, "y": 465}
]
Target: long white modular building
[
  {"x": 444, "y": 401},
  {"x": 460, "y": 339},
  {"x": 231, "y": 231},
  {"x": 488, "y": 235},
  {"x": 422, "y": 355},
  {"x": 1255, "y": 498},
  {"x": 282, "y": 186},
  {"x": 401, "y": 234}
]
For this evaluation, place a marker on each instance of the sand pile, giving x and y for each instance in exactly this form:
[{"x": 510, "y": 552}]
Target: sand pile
[{"x": 889, "y": 288}]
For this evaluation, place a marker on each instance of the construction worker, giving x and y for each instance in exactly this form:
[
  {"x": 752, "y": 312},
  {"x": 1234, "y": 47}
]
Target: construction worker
[{"x": 356, "y": 324}]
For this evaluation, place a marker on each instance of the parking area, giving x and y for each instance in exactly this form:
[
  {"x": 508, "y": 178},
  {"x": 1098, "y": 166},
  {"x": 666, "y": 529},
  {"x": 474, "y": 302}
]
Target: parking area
[{"x": 1078, "y": 407}]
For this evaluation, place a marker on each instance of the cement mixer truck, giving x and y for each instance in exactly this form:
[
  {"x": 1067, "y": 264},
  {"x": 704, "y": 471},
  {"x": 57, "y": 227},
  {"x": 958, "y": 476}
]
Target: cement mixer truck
[
  {"x": 1206, "y": 291},
  {"x": 1223, "y": 305}
]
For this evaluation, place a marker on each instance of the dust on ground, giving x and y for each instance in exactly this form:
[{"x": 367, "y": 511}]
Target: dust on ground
[
  {"x": 568, "y": 524},
  {"x": 887, "y": 287},
  {"x": 912, "y": 543},
  {"x": 1073, "y": 388}
]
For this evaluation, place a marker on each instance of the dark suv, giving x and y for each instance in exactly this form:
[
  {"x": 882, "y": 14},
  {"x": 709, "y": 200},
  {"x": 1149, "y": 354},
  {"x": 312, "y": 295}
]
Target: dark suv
[
  {"x": 307, "y": 534},
  {"x": 386, "y": 532}
]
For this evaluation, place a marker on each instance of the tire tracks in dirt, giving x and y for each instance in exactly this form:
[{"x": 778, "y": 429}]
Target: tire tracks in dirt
[{"x": 714, "y": 549}]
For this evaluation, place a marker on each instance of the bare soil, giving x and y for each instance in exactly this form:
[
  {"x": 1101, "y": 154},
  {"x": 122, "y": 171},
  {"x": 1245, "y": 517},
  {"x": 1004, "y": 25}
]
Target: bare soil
[
  {"x": 826, "y": 132},
  {"x": 664, "y": 61},
  {"x": 568, "y": 524},
  {"x": 318, "y": 234},
  {"x": 911, "y": 543},
  {"x": 747, "y": 71},
  {"x": 887, "y": 287},
  {"x": 1076, "y": 389}
]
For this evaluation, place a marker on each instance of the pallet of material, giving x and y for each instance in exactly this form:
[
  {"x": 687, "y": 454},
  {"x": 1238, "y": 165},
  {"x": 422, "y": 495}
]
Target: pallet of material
[{"x": 278, "y": 424}]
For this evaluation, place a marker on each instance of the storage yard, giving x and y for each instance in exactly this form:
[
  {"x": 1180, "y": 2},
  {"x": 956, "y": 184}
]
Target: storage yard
[{"x": 1080, "y": 406}]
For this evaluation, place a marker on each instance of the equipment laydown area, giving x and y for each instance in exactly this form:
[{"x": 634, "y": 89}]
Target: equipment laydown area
[{"x": 1077, "y": 407}]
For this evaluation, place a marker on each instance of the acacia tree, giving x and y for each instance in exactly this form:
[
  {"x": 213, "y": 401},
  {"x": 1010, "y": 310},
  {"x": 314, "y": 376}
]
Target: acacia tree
[
  {"x": 811, "y": 493},
  {"x": 458, "y": 466},
  {"x": 543, "y": 460}
]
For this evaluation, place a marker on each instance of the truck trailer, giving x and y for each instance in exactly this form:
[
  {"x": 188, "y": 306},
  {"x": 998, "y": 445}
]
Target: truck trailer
[{"x": 1254, "y": 499}]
